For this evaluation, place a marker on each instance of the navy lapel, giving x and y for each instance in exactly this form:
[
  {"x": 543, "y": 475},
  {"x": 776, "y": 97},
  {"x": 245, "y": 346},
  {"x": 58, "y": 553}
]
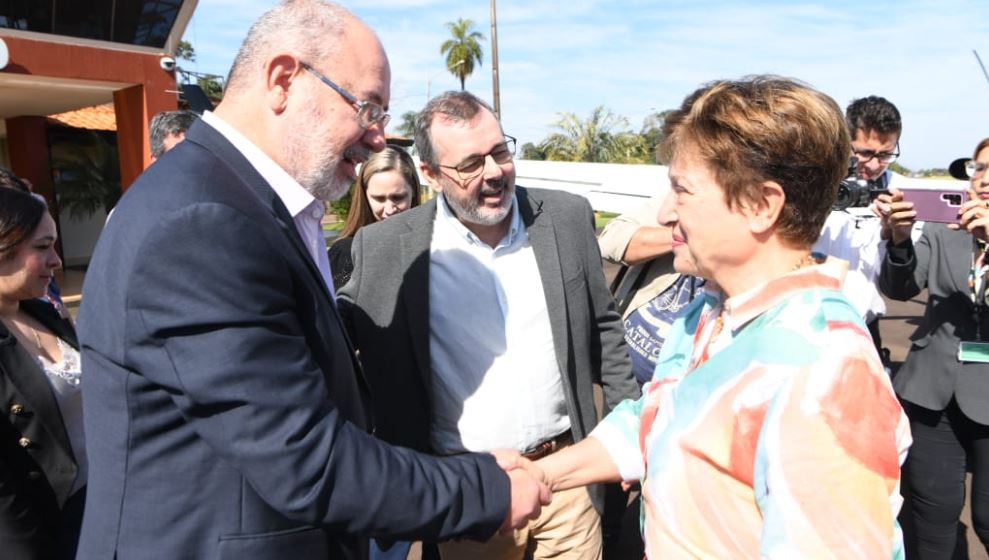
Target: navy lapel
[
  {"x": 212, "y": 140},
  {"x": 542, "y": 236},
  {"x": 414, "y": 290}
]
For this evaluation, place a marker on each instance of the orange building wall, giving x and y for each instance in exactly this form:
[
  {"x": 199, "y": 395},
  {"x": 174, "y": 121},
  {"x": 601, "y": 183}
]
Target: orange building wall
[{"x": 153, "y": 89}]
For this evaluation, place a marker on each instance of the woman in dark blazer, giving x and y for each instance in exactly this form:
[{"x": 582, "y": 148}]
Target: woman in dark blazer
[
  {"x": 945, "y": 397},
  {"x": 42, "y": 455}
]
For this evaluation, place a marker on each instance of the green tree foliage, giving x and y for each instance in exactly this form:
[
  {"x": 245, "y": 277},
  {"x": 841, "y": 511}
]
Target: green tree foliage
[
  {"x": 936, "y": 172},
  {"x": 86, "y": 170},
  {"x": 341, "y": 206},
  {"x": 185, "y": 51},
  {"x": 895, "y": 167},
  {"x": 531, "y": 151},
  {"x": 603, "y": 137},
  {"x": 652, "y": 131},
  {"x": 407, "y": 124},
  {"x": 211, "y": 86},
  {"x": 463, "y": 50}
]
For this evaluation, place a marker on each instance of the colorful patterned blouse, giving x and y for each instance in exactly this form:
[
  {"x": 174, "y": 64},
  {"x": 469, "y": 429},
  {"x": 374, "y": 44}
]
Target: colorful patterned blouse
[{"x": 779, "y": 437}]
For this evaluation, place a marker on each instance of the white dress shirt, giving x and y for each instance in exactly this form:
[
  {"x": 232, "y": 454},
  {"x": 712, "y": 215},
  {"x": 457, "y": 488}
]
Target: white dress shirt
[
  {"x": 854, "y": 235},
  {"x": 495, "y": 379},
  {"x": 306, "y": 211}
]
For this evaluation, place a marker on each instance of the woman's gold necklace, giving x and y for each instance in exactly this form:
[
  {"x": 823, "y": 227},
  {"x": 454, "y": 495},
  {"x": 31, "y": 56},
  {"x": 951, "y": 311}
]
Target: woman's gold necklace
[
  {"x": 810, "y": 259},
  {"x": 27, "y": 329}
]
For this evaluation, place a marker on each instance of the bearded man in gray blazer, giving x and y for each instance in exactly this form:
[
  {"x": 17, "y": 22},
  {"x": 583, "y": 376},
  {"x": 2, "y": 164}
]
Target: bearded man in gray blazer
[{"x": 483, "y": 319}]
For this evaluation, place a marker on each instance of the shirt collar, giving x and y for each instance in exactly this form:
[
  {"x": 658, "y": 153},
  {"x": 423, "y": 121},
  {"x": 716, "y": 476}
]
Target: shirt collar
[
  {"x": 743, "y": 308},
  {"x": 293, "y": 195},
  {"x": 443, "y": 212}
]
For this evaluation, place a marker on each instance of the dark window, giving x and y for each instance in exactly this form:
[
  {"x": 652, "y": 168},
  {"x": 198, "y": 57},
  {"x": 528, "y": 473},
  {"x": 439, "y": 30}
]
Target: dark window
[
  {"x": 87, "y": 19},
  {"x": 134, "y": 22},
  {"x": 27, "y": 15},
  {"x": 145, "y": 23}
]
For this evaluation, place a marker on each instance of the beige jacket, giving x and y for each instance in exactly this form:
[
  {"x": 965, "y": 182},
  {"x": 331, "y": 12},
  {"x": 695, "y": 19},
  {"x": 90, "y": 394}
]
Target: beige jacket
[{"x": 658, "y": 273}]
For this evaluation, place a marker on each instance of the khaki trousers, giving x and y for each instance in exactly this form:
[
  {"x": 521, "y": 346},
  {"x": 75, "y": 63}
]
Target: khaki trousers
[{"x": 569, "y": 528}]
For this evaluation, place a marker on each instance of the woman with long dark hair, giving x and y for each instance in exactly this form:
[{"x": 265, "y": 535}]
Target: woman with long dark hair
[{"x": 42, "y": 446}]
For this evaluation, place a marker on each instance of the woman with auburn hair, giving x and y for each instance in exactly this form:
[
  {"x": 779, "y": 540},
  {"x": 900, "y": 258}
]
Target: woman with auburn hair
[
  {"x": 388, "y": 184},
  {"x": 769, "y": 428},
  {"x": 944, "y": 381},
  {"x": 43, "y": 463}
]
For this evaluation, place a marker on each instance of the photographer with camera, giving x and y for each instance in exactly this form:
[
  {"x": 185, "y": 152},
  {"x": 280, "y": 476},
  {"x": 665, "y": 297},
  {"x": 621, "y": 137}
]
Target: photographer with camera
[{"x": 853, "y": 231}]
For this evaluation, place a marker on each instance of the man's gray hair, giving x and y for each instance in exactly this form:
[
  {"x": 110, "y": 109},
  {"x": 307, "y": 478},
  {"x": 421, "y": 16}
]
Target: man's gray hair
[
  {"x": 309, "y": 29},
  {"x": 168, "y": 123},
  {"x": 456, "y": 106}
]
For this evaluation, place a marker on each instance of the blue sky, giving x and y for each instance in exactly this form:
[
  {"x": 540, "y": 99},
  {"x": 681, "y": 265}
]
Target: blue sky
[{"x": 640, "y": 56}]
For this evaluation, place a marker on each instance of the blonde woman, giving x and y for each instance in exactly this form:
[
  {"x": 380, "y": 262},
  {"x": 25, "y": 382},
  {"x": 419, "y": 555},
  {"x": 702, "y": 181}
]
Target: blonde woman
[{"x": 387, "y": 185}]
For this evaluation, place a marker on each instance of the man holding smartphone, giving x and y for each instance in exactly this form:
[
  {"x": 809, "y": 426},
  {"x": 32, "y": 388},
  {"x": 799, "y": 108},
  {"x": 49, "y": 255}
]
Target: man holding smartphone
[{"x": 855, "y": 234}]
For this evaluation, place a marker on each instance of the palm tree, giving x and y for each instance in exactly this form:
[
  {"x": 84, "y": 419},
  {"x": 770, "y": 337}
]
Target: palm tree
[
  {"x": 87, "y": 171},
  {"x": 652, "y": 130},
  {"x": 463, "y": 50},
  {"x": 602, "y": 138},
  {"x": 407, "y": 124}
]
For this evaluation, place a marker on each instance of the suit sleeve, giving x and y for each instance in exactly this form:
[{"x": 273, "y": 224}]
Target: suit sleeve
[
  {"x": 905, "y": 267},
  {"x": 220, "y": 332},
  {"x": 610, "y": 355}
]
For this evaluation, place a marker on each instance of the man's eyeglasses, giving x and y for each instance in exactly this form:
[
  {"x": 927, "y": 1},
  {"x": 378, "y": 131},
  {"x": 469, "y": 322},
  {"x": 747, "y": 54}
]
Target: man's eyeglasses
[
  {"x": 974, "y": 168},
  {"x": 474, "y": 165},
  {"x": 864, "y": 156},
  {"x": 369, "y": 113}
]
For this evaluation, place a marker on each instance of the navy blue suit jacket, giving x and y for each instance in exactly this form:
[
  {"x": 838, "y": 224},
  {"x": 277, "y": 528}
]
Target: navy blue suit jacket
[{"x": 225, "y": 412}]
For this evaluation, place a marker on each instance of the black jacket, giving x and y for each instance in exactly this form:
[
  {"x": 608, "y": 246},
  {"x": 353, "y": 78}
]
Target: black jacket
[{"x": 37, "y": 467}]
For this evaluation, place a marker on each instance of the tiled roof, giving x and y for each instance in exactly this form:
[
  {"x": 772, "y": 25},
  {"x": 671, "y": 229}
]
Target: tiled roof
[
  {"x": 102, "y": 117},
  {"x": 99, "y": 117}
]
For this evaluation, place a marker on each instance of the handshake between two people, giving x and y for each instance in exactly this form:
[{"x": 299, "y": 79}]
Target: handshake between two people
[{"x": 533, "y": 482}]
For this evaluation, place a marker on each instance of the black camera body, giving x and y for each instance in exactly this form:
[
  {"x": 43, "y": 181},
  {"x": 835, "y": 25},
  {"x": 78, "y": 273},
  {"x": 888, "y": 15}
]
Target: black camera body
[{"x": 854, "y": 192}]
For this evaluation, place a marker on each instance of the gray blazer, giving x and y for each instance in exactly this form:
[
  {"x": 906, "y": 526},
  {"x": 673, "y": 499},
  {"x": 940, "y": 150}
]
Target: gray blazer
[
  {"x": 386, "y": 304},
  {"x": 940, "y": 261}
]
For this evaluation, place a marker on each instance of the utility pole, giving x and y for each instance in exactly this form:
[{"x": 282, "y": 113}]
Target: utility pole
[{"x": 494, "y": 60}]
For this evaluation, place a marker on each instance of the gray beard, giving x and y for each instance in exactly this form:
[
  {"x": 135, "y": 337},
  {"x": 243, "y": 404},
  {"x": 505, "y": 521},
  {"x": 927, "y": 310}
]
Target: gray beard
[
  {"x": 326, "y": 189},
  {"x": 471, "y": 212}
]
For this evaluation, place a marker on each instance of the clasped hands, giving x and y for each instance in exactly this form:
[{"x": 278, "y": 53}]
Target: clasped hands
[{"x": 530, "y": 489}]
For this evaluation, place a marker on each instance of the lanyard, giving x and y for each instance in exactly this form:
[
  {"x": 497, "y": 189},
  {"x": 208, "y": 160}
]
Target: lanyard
[{"x": 977, "y": 283}]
